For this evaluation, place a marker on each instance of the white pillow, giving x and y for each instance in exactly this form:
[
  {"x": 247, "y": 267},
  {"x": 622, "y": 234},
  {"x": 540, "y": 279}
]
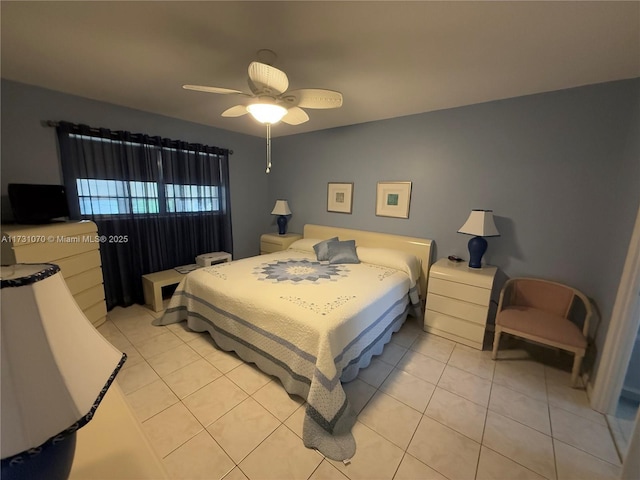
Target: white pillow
[
  {"x": 387, "y": 257},
  {"x": 305, "y": 244}
]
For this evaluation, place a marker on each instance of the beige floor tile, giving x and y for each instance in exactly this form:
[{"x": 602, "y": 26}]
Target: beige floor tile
[
  {"x": 433, "y": 346},
  {"x": 574, "y": 400},
  {"x": 421, "y": 366},
  {"x": 173, "y": 359},
  {"x": 519, "y": 366},
  {"x": 574, "y": 464},
  {"x": 295, "y": 461},
  {"x": 171, "y": 428},
  {"x": 159, "y": 344},
  {"x": 243, "y": 428},
  {"x": 375, "y": 373},
  {"x": 214, "y": 400},
  {"x": 466, "y": 385},
  {"x": 406, "y": 335},
  {"x": 458, "y": 413},
  {"x": 138, "y": 328},
  {"x": 235, "y": 474},
  {"x": 376, "y": 458},
  {"x": 223, "y": 361},
  {"x": 532, "y": 385},
  {"x": 520, "y": 407},
  {"x": 473, "y": 361},
  {"x": 133, "y": 356},
  {"x": 520, "y": 443},
  {"x": 112, "y": 333},
  {"x": 151, "y": 399},
  {"x": 249, "y": 378},
  {"x": 137, "y": 376},
  {"x": 413, "y": 469},
  {"x": 445, "y": 450},
  {"x": 561, "y": 377},
  {"x": 277, "y": 401},
  {"x": 391, "y": 418},
  {"x": 493, "y": 466},
  {"x": 204, "y": 345},
  {"x": 410, "y": 390},
  {"x": 358, "y": 393},
  {"x": 584, "y": 434},
  {"x": 200, "y": 458},
  {"x": 296, "y": 420},
  {"x": 192, "y": 377},
  {"x": 183, "y": 332},
  {"x": 392, "y": 353},
  {"x": 326, "y": 471}
]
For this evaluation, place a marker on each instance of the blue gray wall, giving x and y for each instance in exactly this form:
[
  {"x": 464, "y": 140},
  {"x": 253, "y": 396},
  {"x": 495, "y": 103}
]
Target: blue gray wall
[
  {"x": 30, "y": 152},
  {"x": 560, "y": 170}
]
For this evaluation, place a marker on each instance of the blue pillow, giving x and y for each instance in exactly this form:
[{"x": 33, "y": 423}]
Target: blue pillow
[
  {"x": 321, "y": 249},
  {"x": 343, "y": 252}
]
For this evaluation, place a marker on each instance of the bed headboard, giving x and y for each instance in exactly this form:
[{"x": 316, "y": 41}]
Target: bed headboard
[{"x": 420, "y": 247}]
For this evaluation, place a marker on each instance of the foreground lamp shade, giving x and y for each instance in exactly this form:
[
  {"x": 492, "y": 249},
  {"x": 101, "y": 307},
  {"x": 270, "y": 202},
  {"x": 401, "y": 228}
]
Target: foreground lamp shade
[
  {"x": 281, "y": 208},
  {"x": 481, "y": 224},
  {"x": 56, "y": 367}
]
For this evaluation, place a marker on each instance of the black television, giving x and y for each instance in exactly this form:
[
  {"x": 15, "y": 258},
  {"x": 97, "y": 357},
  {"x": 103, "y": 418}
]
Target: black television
[{"x": 37, "y": 204}]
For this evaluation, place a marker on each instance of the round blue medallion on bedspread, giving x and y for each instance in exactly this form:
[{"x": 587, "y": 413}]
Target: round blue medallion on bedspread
[{"x": 297, "y": 271}]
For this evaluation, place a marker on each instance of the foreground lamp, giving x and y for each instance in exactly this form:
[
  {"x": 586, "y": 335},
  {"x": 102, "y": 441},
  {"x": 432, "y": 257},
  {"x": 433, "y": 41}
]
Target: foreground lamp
[
  {"x": 56, "y": 368},
  {"x": 480, "y": 223},
  {"x": 281, "y": 208},
  {"x": 267, "y": 113}
]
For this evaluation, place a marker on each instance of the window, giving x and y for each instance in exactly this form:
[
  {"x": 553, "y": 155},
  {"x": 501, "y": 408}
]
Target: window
[{"x": 113, "y": 197}]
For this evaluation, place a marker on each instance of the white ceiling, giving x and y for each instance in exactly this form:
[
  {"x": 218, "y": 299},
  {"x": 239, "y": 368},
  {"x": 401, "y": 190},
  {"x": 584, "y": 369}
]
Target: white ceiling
[{"x": 389, "y": 59}]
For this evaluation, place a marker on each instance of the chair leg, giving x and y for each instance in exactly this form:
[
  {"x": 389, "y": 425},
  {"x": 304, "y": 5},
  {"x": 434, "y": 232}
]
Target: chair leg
[
  {"x": 496, "y": 341},
  {"x": 577, "y": 362}
]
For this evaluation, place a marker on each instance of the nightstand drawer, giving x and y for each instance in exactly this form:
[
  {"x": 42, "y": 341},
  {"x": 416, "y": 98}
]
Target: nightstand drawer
[
  {"x": 441, "y": 324},
  {"x": 460, "y": 291},
  {"x": 457, "y": 308}
]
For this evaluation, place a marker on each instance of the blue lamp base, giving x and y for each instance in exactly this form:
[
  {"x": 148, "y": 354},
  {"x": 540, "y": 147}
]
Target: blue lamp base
[
  {"x": 477, "y": 247},
  {"x": 282, "y": 224},
  {"x": 51, "y": 461}
]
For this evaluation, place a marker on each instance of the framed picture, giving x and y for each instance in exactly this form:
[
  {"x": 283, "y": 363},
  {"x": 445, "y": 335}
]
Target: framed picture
[
  {"x": 339, "y": 197},
  {"x": 393, "y": 199}
]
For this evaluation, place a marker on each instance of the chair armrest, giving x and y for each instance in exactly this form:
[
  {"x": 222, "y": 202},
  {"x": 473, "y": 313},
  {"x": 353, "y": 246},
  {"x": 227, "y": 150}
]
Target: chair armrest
[
  {"x": 587, "y": 309},
  {"x": 506, "y": 294}
]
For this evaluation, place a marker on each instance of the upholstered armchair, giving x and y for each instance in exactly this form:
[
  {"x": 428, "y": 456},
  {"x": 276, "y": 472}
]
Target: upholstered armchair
[{"x": 542, "y": 311}]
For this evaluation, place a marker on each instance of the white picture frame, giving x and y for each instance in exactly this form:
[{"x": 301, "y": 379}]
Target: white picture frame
[
  {"x": 340, "y": 197},
  {"x": 393, "y": 199}
]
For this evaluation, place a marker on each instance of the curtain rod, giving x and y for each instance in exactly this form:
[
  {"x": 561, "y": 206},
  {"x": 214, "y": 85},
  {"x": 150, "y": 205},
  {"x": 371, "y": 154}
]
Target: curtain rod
[{"x": 54, "y": 124}]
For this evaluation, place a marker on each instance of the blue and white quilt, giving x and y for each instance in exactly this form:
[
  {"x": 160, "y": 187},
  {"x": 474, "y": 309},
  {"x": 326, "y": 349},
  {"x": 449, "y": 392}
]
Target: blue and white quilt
[{"x": 312, "y": 324}]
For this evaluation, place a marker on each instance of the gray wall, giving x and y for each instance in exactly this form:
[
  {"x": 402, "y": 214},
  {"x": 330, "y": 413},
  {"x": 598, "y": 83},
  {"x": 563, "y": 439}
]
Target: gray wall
[
  {"x": 30, "y": 152},
  {"x": 560, "y": 170}
]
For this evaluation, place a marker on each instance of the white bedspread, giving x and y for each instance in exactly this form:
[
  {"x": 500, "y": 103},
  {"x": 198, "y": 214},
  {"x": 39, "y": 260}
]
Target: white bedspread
[{"x": 310, "y": 323}]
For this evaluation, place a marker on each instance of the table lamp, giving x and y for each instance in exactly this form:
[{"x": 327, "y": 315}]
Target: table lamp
[
  {"x": 56, "y": 368},
  {"x": 480, "y": 223},
  {"x": 281, "y": 208}
]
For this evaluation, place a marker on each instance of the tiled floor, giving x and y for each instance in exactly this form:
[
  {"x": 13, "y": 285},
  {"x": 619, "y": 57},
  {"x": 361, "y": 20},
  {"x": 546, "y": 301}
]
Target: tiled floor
[
  {"x": 622, "y": 423},
  {"x": 428, "y": 409}
]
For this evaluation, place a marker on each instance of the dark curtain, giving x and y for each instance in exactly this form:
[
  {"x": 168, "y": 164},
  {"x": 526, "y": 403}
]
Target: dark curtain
[{"x": 155, "y": 182}]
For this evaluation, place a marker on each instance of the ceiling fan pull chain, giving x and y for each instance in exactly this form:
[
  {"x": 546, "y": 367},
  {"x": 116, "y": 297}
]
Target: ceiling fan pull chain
[{"x": 268, "y": 147}]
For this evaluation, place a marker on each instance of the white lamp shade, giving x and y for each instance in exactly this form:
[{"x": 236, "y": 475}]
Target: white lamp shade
[
  {"x": 281, "y": 208},
  {"x": 267, "y": 112},
  {"x": 480, "y": 223},
  {"x": 55, "y": 365}
]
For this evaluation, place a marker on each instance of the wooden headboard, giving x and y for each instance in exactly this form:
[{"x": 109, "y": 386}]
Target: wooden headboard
[{"x": 420, "y": 247}]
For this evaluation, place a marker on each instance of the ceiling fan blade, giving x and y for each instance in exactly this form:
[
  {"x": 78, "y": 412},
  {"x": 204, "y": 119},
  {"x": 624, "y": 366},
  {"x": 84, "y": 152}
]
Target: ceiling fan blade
[
  {"x": 295, "y": 116},
  {"x": 266, "y": 78},
  {"x": 221, "y": 90},
  {"x": 315, "y": 98},
  {"x": 236, "y": 111}
]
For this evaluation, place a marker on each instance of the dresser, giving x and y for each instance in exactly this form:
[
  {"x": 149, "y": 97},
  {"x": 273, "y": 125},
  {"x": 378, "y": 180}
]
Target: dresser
[
  {"x": 459, "y": 301},
  {"x": 272, "y": 242},
  {"x": 74, "y": 247}
]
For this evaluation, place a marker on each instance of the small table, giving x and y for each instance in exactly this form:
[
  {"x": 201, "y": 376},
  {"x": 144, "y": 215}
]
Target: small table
[{"x": 152, "y": 284}]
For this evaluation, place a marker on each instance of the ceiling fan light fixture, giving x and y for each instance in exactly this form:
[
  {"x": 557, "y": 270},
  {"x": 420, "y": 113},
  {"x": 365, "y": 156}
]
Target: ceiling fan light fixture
[{"x": 267, "y": 112}]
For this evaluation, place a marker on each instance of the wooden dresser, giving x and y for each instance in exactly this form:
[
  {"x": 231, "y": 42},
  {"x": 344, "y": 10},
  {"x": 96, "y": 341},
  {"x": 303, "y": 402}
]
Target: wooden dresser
[{"x": 74, "y": 246}]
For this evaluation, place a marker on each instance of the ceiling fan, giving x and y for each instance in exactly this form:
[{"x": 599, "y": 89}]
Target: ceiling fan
[{"x": 270, "y": 101}]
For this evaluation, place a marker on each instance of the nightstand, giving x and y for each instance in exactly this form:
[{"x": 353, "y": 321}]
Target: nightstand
[
  {"x": 459, "y": 301},
  {"x": 272, "y": 242}
]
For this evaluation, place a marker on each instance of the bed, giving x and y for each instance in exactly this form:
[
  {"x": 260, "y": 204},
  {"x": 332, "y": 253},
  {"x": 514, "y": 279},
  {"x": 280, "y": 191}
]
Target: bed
[{"x": 313, "y": 324}]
